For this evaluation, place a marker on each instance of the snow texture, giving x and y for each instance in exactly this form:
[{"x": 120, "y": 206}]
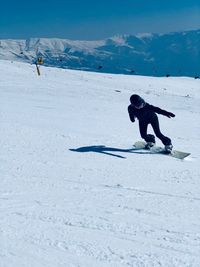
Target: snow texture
[{"x": 73, "y": 193}]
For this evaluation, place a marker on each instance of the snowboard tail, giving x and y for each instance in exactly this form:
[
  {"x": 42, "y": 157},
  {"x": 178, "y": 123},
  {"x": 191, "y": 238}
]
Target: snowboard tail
[{"x": 159, "y": 150}]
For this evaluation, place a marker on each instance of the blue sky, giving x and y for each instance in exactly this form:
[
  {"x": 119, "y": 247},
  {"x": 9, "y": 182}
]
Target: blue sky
[{"x": 95, "y": 19}]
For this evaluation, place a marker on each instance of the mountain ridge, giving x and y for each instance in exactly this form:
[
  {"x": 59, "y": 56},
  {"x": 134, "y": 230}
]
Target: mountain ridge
[{"x": 175, "y": 53}]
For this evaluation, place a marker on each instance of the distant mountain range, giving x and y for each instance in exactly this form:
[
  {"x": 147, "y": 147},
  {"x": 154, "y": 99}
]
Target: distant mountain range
[{"x": 175, "y": 54}]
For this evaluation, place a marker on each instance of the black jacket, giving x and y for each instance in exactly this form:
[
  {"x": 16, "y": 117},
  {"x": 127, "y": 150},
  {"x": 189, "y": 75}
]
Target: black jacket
[{"x": 147, "y": 113}]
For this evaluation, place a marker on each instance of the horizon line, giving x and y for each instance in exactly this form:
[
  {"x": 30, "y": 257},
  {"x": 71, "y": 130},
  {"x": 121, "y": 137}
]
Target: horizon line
[{"x": 116, "y": 35}]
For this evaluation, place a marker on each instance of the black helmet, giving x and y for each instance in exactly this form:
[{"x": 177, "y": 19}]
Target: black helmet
[{"x": 137, "y": 101}]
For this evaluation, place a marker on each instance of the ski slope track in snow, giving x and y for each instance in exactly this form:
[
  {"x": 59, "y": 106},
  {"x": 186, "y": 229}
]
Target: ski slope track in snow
[{"x": 73, "y": 193}]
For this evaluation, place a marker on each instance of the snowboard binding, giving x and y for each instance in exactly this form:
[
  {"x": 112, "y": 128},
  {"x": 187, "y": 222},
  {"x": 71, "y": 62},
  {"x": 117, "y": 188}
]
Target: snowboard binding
[
  {"x": 149, "y": 145},
  {"x": 168, "y": 149}
]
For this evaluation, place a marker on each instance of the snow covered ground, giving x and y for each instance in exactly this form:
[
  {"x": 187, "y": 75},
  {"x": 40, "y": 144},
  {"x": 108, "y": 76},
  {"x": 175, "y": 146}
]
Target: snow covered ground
[{"x": 71, "y": 193}]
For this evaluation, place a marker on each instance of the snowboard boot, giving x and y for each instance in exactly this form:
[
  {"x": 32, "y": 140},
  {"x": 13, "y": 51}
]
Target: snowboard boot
[
  {"x": 168, "y": 148},
  {"x": 149, "y": 145}
]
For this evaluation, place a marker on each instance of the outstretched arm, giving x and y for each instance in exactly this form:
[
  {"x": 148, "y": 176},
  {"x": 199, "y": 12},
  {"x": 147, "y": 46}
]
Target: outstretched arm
[
  {"x": 131, "y": 114},
  {"x": 162, "y": 111}
]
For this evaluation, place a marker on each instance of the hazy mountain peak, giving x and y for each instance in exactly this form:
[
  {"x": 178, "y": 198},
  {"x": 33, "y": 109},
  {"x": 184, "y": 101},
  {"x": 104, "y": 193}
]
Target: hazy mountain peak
[{"x": 176, "y": 53}]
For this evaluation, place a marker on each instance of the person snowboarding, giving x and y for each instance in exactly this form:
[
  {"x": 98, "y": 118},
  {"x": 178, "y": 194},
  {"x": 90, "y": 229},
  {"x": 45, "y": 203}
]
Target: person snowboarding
[{"x": 146, "y": 114}]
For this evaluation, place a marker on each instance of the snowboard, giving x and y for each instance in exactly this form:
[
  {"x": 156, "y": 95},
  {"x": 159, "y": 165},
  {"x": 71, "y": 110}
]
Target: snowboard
[{"x": 160, "y": 150}]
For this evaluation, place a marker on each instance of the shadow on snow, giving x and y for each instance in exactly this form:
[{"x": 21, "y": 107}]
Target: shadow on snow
[{"x": 106, "y": 150}]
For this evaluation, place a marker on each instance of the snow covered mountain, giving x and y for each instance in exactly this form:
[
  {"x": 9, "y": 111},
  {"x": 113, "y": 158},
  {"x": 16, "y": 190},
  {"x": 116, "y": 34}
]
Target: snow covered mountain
[
  {"x": 176, "y": 54},
  {"x": 73, "y": 193}
]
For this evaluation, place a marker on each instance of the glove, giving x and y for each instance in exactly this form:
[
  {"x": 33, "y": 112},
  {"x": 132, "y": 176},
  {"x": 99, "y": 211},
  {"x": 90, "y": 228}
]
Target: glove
[{"x": 169, "y": 114}]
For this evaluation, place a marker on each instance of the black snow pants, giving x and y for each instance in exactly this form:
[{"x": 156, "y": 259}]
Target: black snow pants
[{"x": 155, "y": 125}]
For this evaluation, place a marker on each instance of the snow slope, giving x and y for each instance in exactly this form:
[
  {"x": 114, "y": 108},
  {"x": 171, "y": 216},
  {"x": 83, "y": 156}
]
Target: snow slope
[{"x": 73, "y": 194}]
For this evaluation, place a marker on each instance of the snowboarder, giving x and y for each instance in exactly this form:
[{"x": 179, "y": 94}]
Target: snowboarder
[{"x": 146, "y": 114}]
